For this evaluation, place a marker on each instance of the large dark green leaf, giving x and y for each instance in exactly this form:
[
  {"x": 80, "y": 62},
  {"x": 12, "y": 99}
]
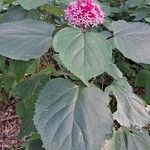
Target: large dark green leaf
[
  {"x": 131, "y": 110},
  {"x": 26, "y": 39},
  {"x": 72, "y": 118},
  {"x": 125, "y": 139},
  {"x": 85, "y": 54},
  {"x": 133, "y": 40}
]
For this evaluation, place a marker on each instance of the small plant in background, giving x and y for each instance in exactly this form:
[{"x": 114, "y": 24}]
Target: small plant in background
[{"x": 74, "y": 75}]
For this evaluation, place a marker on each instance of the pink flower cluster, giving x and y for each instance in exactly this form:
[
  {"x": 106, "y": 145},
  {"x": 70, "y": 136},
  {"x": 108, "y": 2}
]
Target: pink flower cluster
[{"x": 84, "y": 13}]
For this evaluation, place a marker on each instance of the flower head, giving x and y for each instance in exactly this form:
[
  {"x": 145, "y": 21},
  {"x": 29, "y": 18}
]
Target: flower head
[{"x": 84, "y": 13}]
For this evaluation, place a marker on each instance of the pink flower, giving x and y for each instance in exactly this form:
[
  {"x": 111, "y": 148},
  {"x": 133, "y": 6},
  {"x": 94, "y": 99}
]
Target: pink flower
[{"x": 84, "y": 13}]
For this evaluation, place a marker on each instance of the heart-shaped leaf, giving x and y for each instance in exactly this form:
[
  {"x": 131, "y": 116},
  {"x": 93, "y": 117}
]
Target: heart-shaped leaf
[
  {"x": 69, "y": 117},
  {"x": 85, "y": 54}
]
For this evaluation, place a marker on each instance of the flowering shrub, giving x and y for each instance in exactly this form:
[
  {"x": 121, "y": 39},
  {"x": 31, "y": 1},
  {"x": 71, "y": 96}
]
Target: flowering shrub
[{"x": 78, "y": 73}]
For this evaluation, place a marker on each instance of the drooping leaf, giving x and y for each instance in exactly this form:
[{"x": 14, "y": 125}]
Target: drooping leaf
[
  {"x": 125, "y": 139},
  {"x": 131, "y": 110},
  {"x": 25, "y": 39},
  {"x": 69, "y": 117},
  {"x": 85, "y": 54},
  {"x": 143, "y": 79},
  {"x": 30, "y": 4},
  {"x": 133, "y": 40}
]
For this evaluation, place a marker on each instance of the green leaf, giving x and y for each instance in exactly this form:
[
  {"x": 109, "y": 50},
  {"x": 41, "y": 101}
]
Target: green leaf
[
  {"x": 28, "y": 89},
  {"x": 140, "y": 14},
  {"x": 65, "y": 2},
  {"x": 106, "y": 8},
  {"x": 114, "y": 71},
  {"x": 69, "y": 117},
  {"x": 86, "y": 55},
  {"x": 8, "y": 1},
  {"x": 30, "y": 4},
  {"x": 1, "y": 5},
  {"x": 18, "y": 13},
  {"x": 134, "y": 3},
  {"x": 56, "y": 10},
  {"x": 143, "y": 79},
  {"x": 125, "y": 139},
  {"x": 34, "y": 143},
  {"x": 106, "y": 35},
  {"x": 26, "y": 39},
  {"x": 147, "y": 19},
  {"x": 19, "y": 67},
  {"x": 126, "y": 68},
  {"x": 2, "y": 62},
  {"x": 27, "y": 124},
  {"x": 147, "y": 2},
  {"x": 8, "y": 80},
  {"x": 133, "y": 40},
  {"x": 131, "y": 110}
]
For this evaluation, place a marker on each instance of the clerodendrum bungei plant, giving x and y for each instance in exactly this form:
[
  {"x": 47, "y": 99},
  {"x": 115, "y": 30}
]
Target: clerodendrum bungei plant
[{"x": 74, "y": 113}]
